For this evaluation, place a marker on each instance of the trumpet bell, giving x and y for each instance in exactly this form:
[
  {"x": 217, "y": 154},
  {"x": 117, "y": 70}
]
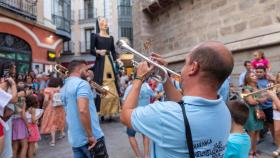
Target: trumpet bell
[{"x": 61, "y": 69}]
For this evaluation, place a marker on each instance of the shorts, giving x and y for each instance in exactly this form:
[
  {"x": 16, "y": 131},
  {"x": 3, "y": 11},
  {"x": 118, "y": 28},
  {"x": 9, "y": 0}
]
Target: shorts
[
  {"x": 130, "y": 132},
  {"x": 268, "y": 115},
  {"x": 276, "y": 115}
]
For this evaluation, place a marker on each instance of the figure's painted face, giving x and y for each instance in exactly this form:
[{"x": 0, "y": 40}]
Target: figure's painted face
[{"x": 103, "y": 24}]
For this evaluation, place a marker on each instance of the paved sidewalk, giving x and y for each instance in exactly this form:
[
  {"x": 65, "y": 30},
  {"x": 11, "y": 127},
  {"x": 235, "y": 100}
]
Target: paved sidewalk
[
  {"x": 118, "y": 145},
  {"x": 266, "y": 147}
]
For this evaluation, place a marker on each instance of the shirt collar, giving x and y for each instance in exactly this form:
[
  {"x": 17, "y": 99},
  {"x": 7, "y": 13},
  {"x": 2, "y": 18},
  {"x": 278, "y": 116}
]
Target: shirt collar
[{"x": 194, "y": 100}]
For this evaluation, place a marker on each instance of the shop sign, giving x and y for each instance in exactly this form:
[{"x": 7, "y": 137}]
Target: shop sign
[{"x": 51, "y": 56}]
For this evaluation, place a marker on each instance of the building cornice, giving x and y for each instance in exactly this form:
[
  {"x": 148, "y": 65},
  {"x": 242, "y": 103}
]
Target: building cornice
[{"x": 257, "y": 38}]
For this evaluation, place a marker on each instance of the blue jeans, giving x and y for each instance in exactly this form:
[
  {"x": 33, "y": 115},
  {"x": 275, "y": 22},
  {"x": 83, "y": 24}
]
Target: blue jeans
[{"x": 82, "y": 152}]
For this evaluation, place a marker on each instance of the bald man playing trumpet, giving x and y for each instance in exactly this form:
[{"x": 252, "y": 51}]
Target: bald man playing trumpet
[{"x": 198, "y": 109}]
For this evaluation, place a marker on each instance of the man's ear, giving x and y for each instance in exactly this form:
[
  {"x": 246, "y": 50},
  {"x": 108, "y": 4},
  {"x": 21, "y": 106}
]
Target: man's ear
[{"x": 194, "y": 68}]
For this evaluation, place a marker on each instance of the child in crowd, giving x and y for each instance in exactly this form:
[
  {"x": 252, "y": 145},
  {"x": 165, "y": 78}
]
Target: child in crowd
[
  {"x": 260, "y": 60},
  {"x": 238, "y": 145},
  {"x": 19, "y": 127},
  {"x": 32, "y": 117}
]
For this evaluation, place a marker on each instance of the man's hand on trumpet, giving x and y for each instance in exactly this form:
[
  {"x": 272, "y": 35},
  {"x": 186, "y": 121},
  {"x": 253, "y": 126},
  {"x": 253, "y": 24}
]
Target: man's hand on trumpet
[
  {"x": 157, "y": 57},
  {"x": 171, "y": 92},
  {"x": 143, "y": 70}
]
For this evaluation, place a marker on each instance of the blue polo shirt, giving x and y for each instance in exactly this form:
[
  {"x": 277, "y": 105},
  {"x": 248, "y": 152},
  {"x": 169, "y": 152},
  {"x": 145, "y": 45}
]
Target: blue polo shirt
[
  {"x": 160, "y": 89},
  {"x": 74, "y": 88},
  {"x": 162, "y": 122},
  {"x": 146, "y": 93},
  {"x": 262, "y": 83}
]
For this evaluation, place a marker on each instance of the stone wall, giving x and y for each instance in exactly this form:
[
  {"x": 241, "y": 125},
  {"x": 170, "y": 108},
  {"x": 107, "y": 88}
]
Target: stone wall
[{"x": 243, "y": 25}]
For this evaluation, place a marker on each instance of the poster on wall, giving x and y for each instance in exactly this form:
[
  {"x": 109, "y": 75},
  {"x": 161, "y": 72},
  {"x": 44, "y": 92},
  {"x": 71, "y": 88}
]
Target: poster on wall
[{"x": 37, "y": 68}]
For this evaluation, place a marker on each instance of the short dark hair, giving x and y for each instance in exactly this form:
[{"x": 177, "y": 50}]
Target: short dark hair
[
  {"x": 239, "y": 111},
  {"x": 31, "y": 101},
  {"x": 212, "y": 63},
  {"x": 74, "y": 63},
  {"x": 55, "y": 82},
  {"x": 247, "y": 62},
  {"x": 262, "y": 68},
  {"x": 28, "y": 75}
]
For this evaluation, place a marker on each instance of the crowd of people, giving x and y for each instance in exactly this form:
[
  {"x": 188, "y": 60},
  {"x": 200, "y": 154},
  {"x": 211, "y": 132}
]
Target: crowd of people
[
  {"x": 37, "y": 104},
  {"x": 263, "y": 107},
  {"x": 31, "y": 112}
]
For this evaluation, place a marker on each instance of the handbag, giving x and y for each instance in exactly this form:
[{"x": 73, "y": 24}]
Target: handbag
[
  {"x": 187, "y": 130},
  {"x": 57, "y": 100}
]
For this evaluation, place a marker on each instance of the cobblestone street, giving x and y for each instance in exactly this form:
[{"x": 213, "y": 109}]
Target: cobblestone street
[
  {"x": 118, "y": 145},
  {"x": 116, "y": 142}
]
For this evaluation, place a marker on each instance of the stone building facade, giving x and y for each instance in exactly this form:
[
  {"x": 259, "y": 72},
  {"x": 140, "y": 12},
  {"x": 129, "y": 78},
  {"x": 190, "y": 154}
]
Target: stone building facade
[{"x": 175, "y": 26}]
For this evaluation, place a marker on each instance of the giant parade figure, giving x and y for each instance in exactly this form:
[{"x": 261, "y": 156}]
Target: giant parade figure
[{"x": 102, "y": 47}]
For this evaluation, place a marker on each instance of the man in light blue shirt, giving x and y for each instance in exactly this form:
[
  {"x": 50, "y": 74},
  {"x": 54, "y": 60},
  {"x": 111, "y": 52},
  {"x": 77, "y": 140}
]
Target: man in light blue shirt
[
  {"x": 146, "y": 94},
  {"x": 84, "y": 132},
  {"x": 209, "y": 117},
  {"x": 248, "y": 67},
  {"x": 224, "y": 90},
  {"x": 160, "y": 92}
]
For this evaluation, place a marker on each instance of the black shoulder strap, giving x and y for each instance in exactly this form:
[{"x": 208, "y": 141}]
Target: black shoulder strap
[{"x": 188, "y": 130}]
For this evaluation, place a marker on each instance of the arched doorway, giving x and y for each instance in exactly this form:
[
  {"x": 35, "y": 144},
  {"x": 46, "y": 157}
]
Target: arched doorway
[{"x": 16, "y": 50}]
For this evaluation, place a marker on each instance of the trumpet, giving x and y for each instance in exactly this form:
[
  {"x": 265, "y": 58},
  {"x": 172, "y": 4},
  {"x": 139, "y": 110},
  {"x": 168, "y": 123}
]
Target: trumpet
[
  {"x": 104, "y": 91},
  {"x": 123, "y": 45},
  {"x": 61, "y": 69},
  {"x": 157, "y": 78},
  {"x": 243, "y": 95}
]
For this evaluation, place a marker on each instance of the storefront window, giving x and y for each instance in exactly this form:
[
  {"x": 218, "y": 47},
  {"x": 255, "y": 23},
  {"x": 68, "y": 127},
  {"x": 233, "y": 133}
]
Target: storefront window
[{"x": 15, "y": 50}]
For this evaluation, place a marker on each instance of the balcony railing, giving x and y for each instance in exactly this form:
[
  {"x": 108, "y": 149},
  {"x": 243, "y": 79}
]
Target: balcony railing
[
  {"x": 62, "y": 24},
  {"x": 87, "y": 15},
  {"x": 85, "y": 47},
  {"x": 21, "y": 7}
]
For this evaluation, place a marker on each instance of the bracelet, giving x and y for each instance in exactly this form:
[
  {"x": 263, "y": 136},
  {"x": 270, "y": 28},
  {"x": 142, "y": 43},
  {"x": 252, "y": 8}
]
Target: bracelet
[{"x": 139, "y": 78}]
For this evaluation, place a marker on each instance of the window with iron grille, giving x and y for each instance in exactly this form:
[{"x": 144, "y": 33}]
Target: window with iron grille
[
  {"x": 88, "y": 32},
  {"x": 127, "y": 32}
]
